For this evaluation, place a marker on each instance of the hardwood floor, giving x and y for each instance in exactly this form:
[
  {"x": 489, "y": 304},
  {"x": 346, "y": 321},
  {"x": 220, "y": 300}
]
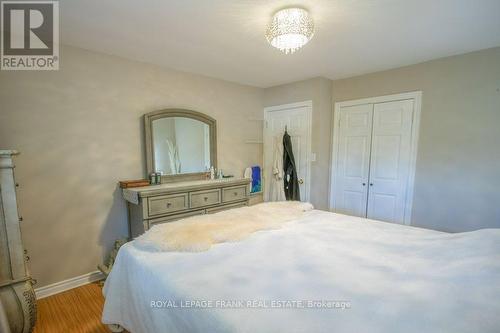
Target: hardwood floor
[{"x": 74, "y": 311}]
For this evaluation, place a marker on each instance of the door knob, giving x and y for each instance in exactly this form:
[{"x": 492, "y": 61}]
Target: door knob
[
  {"x": 371, "y": 184},
  {"x": 301, "y": 181},
  {"x": 364, "y": 184}
]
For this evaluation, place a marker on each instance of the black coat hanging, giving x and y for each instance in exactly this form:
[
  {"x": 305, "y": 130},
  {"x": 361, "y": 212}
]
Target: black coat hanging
[{"x": 291, "y": 181}]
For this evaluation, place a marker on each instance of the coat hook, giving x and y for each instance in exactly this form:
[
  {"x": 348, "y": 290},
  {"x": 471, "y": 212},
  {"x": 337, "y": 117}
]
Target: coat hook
[{"x": 286, "y": 128}]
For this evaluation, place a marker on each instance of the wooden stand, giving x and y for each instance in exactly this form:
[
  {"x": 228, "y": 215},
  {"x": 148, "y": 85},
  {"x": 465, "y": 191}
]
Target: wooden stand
[{"x": 16, "y": 292}]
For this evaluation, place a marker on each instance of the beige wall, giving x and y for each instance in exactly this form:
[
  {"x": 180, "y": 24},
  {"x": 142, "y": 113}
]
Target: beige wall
[
  {"x": 79, "y": 131},
  {"x": 457, "y": 176},
  {"x": 319, "y": 90},
  {"x": 457, "y": 181}
]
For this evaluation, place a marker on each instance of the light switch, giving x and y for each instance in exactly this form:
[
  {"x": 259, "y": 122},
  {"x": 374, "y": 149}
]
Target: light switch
[{"x": 313, "y": 157}]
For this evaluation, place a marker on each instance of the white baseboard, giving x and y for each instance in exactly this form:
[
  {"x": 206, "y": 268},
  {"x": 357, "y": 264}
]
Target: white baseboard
[{"x": 61, "y": 286}]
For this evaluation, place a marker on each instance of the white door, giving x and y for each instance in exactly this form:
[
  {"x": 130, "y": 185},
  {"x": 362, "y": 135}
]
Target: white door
[
  {"x": 297, "y": 120},
  {"x": 354, "y": 159},
  {"x": 374, "y": 154},
  {"x": 390, "y": 160}
]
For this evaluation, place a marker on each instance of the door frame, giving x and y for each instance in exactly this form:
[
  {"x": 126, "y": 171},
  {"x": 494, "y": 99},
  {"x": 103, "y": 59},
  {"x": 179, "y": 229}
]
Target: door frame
[
  {"x": 417, "y": 106},
  {"x": 267, "y": 164}
]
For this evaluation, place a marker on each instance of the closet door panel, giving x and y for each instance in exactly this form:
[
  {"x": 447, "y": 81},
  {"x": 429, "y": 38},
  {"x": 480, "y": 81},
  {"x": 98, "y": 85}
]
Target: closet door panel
[
  {"x": 390, "y": 160},
  {"x": 297, "y": 123},
  {"x": 354, "y": 159}
]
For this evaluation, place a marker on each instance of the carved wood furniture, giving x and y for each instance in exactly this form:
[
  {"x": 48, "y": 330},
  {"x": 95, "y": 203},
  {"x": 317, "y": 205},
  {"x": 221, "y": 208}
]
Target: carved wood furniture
[
  {"x": 185, "y": 193},
  {"x": 16, "y": 291},
  {"x": 168, "y": 202}
]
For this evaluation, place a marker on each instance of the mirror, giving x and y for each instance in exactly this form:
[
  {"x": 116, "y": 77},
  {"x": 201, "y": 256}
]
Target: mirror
[{"x": 180, "y": 143}]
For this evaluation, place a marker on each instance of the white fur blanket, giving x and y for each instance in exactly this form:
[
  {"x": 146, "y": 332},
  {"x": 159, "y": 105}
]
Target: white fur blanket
[{"x": 199, "y": 233}]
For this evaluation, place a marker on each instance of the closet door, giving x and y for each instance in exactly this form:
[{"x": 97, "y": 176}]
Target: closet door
[
  {"x": 353, "y": 165},
  {"x": 297, "y": 121},
  {"x": 390, "y": 160}
]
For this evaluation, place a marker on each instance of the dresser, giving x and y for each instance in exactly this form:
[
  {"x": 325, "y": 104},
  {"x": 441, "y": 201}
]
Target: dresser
[
  {"x": 155, "y": 204},
  {"x": 17, "y": 297}
]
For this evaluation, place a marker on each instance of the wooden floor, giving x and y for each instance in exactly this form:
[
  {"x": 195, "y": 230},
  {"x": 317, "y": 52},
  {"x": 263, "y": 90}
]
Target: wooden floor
[{"x": 74, "y": 311}]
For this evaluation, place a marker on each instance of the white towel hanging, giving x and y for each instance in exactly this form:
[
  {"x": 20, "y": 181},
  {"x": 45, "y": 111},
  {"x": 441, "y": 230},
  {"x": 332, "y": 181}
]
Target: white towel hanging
[{"x": 276, "y": 190}]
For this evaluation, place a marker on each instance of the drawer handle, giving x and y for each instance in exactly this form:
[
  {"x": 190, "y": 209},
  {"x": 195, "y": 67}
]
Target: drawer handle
[
  {"x": 235, "y": 193},
  {"x": 205, "y": 198},
  {"x": 169, "y": 205}
]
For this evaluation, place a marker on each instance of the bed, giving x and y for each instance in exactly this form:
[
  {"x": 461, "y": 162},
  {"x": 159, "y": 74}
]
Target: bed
[{"x": 322, "y": 272}]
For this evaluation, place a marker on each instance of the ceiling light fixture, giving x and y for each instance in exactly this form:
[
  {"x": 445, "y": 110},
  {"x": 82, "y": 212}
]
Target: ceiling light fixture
[{"x": 290, "y": 29}]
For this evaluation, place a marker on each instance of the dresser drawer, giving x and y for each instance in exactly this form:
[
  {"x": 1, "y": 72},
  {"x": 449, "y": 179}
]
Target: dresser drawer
[
  {"x": 167, "y": 204},
  {"x": 234, "y": 193},
  {"x": 173, "y": 218},
  {"x": 226, "y": 207},
  {"x": 204, "y": 198}
]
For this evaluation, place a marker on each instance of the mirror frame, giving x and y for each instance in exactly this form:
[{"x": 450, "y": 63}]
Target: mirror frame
[{"x": 169, "y": 113}]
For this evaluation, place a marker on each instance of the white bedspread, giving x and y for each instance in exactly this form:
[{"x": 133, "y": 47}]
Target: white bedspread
[{"x": 395, "y": 278}]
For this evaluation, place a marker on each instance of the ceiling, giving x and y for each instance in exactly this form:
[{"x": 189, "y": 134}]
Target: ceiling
[{"x": 225, "y": 38}]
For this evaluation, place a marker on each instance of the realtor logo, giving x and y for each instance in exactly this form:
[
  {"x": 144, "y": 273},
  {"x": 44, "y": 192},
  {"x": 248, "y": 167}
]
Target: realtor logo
[{"x": 30, "y": 35}]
